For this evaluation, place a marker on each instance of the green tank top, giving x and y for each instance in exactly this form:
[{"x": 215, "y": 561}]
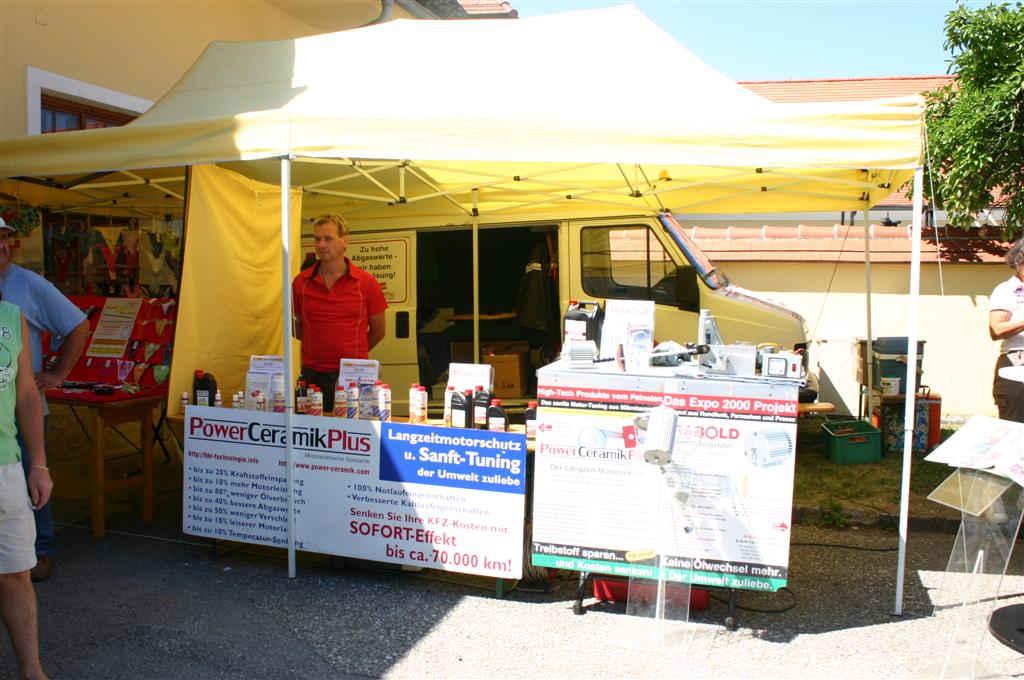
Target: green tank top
[{"x": 10, "y": 348}]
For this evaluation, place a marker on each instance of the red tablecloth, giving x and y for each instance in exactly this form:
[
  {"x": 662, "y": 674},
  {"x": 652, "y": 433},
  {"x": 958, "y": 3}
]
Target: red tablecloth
[{"x": 89, "y": 397}]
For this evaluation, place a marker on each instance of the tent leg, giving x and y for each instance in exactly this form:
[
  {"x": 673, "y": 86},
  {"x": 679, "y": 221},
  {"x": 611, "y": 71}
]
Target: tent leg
[
  {"x": 286, "y": 297},
  {"x": 909, "y": 408}
]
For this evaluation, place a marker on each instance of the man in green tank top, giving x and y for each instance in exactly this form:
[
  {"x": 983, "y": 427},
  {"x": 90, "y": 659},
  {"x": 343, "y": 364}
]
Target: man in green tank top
[{"x": 21, "y": 411}]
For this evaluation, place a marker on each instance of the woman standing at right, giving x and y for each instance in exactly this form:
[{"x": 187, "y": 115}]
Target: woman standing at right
[{"x": 1006, "y": 323}]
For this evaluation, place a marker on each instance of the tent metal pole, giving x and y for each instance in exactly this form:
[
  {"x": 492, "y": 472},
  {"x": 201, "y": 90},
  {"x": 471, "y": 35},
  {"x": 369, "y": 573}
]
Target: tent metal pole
[
  {"x": 909, "y": 407},
  {"x": 289, "y": 396},
  {"x": 476, "y": 276},
  {"x": 869, "y": 369}
]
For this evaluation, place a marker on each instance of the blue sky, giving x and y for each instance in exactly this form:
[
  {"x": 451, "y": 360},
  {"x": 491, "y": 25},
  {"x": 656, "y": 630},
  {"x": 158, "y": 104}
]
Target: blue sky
[{"x": 754, "y": 40}]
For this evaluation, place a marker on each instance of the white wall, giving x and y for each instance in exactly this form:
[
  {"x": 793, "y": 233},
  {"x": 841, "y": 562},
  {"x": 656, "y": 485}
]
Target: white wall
[{"x": 953, "y": 320}]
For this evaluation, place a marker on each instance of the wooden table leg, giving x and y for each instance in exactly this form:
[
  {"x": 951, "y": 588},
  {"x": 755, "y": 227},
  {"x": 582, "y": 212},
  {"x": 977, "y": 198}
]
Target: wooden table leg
[
  {"x": 99, "y": 477},
  {"x": 146, "y": 427}
]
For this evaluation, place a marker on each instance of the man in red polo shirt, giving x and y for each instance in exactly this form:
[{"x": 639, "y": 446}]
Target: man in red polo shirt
[{"x": 338, "y": 308}]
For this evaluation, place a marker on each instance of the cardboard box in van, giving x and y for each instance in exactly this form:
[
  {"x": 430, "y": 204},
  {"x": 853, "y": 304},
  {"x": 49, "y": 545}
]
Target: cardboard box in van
[{"x": 509, "y": 370}]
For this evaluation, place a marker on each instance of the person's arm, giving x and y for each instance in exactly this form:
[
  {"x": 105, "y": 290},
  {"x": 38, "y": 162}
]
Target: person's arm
[
  {"x": 1000, "y": 326},
  {"x": 68, "y": 356},
  {"x": 378, "y": 327},
  {"x": 28, "y": 410}
]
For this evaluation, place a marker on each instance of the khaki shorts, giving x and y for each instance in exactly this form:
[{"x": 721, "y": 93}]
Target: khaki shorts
[{"x": 17, "y": 524}]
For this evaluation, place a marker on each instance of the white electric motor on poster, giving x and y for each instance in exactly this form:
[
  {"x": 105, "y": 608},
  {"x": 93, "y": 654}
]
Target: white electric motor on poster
[{"x": 765, "y": 449}]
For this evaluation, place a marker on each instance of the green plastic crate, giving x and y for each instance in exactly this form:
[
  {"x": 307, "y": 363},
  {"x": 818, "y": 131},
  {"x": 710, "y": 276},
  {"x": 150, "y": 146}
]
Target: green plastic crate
[{"x": 852, "y": 441}]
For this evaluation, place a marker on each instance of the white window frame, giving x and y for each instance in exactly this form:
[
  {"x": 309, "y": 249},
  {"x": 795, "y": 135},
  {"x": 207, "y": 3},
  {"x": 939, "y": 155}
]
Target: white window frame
[{"x": 39, "y": 82}]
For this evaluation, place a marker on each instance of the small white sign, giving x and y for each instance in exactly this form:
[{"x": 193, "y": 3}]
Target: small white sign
[
  {"x": 387, "y": 260},
  {"x": 629, "y": 323},
  {"x": 468, "y": 376},
  {"x": 266, "y": 363}
]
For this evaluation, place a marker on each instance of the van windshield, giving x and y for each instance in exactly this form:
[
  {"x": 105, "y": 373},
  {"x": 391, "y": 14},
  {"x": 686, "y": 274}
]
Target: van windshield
[{"x": 705, "y": 267}]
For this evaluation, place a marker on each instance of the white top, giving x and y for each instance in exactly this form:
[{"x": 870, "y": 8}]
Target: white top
[{"x": 1009, "y": 296}]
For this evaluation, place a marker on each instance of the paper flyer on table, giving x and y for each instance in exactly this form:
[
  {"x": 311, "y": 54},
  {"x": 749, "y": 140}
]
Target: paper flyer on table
[
  {"x": 110, "y": 339},
  {"x": 982, "y": 443}
]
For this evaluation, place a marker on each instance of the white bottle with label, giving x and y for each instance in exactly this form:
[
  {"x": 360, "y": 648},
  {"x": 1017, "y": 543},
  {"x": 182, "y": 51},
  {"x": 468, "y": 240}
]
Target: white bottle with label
[
  {"x": 277, "y": 399},
  {"x": 414, "y": 404},
  {"x": 352, "y": 401},
  {"x": 316, "y": 402},
  {"x": 384, "y": 402},
  {"x": 340, "y": 401}
]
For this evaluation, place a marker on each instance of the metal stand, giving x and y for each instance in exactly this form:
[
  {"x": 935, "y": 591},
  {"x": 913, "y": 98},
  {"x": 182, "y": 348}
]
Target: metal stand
[{"x": 577, "y": 607}]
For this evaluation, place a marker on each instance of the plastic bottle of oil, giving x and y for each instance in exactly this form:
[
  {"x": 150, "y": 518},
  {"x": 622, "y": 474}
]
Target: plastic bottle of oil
[
  {"x": 497, "y": 419},
  {"x": 462, "y": 409},
  {"x": 530, "y": 418},
  {"x": 448, "y": 394},
  {"x": 204, "y": 386},
  {"x": 481, "y": 400}
]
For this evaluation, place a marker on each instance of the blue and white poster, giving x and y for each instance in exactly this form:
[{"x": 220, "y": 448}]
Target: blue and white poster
[{"x": 438, "y": 498}]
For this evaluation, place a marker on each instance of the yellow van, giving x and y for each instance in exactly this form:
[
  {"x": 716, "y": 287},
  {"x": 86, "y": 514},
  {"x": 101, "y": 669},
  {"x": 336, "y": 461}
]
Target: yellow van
[{"x": 527, "y": 274}]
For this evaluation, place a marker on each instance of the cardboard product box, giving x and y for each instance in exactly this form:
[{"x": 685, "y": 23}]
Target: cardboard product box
[{"x": 509, "y": 370}]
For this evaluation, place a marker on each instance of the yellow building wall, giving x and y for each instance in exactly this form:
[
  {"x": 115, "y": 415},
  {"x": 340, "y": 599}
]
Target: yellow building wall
[
  {"x": 952, "y": 318},
  {"x": 139, "y": 48}
]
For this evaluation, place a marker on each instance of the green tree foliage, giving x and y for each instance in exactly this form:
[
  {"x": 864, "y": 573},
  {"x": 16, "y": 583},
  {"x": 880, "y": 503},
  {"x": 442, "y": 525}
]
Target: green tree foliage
[{"x": 976, "y": 125}]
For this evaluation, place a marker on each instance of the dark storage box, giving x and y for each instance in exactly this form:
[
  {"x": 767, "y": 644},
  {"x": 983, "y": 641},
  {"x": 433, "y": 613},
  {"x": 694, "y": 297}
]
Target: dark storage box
[
  {"x": 890, "y": 361},
  {"x": 852, "y": 441},
  {"x": 889, "y": 415}
]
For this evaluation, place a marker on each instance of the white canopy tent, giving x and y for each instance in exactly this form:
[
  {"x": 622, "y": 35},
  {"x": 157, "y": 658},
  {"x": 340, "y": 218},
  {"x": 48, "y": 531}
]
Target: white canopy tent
[{"x": 585, "y": 113}]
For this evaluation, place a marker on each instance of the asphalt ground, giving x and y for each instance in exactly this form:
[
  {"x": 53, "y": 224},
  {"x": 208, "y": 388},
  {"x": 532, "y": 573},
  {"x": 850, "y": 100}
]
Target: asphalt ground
[{"x": 150, "y": 602}]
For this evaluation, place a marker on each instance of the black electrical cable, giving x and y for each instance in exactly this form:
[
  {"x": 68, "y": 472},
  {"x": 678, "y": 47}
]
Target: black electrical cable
[
  {"x": 844, "y": 547},
  {"x": 755, "y": 610}
]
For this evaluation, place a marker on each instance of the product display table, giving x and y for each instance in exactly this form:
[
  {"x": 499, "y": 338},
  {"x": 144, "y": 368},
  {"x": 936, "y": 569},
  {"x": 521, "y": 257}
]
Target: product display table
[{"x": 116, "y": 410}]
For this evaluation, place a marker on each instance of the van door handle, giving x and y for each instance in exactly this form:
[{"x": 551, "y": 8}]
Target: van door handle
[{"x": 401, "y": 324}]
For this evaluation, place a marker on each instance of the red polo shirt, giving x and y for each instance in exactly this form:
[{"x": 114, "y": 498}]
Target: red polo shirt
[{"x": 335, "y": 322}]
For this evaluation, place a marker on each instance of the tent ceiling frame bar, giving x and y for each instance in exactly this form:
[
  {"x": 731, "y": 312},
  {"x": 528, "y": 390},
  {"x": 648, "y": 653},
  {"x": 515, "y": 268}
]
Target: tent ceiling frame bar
[
  {"x": 443, "y": 194},
  {"x": 781, "y": 189},
  {"x": 461, "y": 190},
  {"x": 67, "y": 186},
  {"x": 672, "y": 184},
  {"x": 315, "y": 160},
  {"x": 500, "y": 175},
  {"x": 395, "y": 197},
  {"x": 347, "y": 194},
  {"x": 349, "y": 176},
  {"x": 158, "y": 183},
  {"x": 623, "y": 191},
  {"x": 582, "y": 198},
  {"x": 858, "y": 184},
  {"x": 138, "y": 208},
  {"x": 629, "y": 185}
]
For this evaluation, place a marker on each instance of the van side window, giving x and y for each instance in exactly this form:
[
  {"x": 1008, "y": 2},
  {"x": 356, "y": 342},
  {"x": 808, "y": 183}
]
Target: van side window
[{"x": 626, "y": 263}]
